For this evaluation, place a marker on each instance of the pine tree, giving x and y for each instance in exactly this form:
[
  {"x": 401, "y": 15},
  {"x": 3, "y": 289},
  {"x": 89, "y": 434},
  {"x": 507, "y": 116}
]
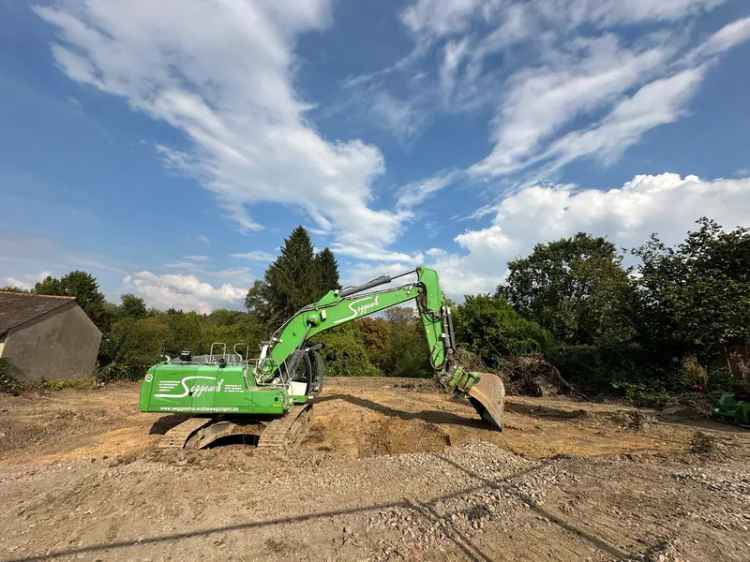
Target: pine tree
[
  {"x": 328, "y": 272},
  {"x": 293, "y": 279},
  {"x": 297, "y": 278}
]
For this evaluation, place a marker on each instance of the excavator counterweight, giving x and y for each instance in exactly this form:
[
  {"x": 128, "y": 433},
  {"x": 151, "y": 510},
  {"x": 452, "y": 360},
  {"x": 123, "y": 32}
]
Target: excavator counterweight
[{"x": 268, "y": 402}]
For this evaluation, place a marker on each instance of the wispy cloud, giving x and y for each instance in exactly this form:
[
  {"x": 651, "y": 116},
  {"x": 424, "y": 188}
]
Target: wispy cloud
[
  {"x": 255, "y": 255},
  {"x": 581, "y": 89},
  {"x": 415, "y": 193},
  {"x": 250, "y": 139}
]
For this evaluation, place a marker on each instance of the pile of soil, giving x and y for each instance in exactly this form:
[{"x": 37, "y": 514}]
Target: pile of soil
[{"x": 531, "y": 375}]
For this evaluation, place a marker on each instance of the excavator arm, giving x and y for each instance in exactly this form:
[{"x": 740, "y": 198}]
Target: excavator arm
[{"x": 485, "y": 391}]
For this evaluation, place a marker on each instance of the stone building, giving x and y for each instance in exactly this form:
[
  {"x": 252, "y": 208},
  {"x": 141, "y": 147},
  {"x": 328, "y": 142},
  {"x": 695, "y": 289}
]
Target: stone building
[{"x": 47, "y": 337}]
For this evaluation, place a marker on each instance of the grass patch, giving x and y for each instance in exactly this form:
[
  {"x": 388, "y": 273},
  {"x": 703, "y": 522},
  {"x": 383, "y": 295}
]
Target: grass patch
[{"x": 83, "y": 383}]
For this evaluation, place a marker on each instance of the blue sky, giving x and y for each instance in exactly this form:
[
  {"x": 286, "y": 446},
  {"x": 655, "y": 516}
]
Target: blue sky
[{"x": 169, "y": 147}]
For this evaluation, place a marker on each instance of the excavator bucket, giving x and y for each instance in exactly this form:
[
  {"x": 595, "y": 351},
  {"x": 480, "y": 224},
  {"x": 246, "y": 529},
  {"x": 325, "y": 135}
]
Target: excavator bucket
[{"x": 488, "y": 397}]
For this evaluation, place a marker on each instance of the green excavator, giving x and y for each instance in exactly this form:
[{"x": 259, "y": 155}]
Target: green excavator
[{"x": 268, "y": 402}]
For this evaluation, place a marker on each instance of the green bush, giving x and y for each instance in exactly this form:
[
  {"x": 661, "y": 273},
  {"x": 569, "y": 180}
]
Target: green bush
[
  {"x": 599, "y": 369},
  {"x": 643, "y": 395},
  {"x": 489, "y": 327},
  {"x": 406, "y": 352},
  {"x": 8, "y": 381},
  {"x": 345, "y": 354},
  {"x": 135, "y": 346}
]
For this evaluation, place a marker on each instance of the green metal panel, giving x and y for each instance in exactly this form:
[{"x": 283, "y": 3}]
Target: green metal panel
[{"x": 208, "y": 389}]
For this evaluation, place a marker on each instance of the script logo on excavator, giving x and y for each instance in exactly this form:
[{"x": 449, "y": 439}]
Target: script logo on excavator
[
  {"x": 165, "y": 387},
  {"x": 359, "y": 308}
]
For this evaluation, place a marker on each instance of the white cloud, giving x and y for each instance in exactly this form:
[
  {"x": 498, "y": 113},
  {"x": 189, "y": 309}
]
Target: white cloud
[
  {"x": 576, "y": 64},
  {"x": 726, "y": 38},
  {"x": 375, "y": 254},
  {"x": 184, "y": 292},
  {"x": 453, "y": 55},
  {"x": 667, "y": 204},
  {"x": 255, "y": 255},
  {"x": 415, "y": 193},
  {"x": 605, "y": 13},
  {"x": 657, "y": 103},
  {"x": 541, "y": 100},
  {"x": 400, "y": 118},
  {"x": 25, "y": 282},
  {"x": 440, "y": 17},
  {"x": 228, "y": 86}
]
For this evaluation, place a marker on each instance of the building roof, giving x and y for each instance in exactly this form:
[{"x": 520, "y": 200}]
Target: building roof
[{"x": 19, "y": 308}]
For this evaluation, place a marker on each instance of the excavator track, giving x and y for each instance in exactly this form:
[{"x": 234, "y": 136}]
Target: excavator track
[
  {"x": 241, "y": 431},
  {"x": 176, "y": 437},
  {"x": 287, "y": 431},
  {"x": 278, "y": 434}
]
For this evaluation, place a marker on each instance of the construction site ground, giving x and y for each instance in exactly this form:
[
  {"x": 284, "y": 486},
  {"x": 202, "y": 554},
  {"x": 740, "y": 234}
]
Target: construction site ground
[{"x": 391, "y": 469}]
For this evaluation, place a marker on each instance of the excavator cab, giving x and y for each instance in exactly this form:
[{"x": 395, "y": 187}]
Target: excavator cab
[{"x": 307, "y": 369}]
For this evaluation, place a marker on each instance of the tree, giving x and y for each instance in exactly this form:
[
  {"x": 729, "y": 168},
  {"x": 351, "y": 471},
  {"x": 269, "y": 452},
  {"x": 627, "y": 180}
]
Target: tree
[
  {"x": 575, "y": 287},
  {"x": 488, "y": 326},
  {"x": 344, "y": 352},
  {"x": 132, "y": 307},
  {"x": 186, "y": 332},
  {"x": 134, "y": 345},
  {"x": 297, "y": 278},
  {"x": 376, "y": 336},
  {"x": 49, "y": 286},
  {"x": 407, "y": 354},
  {"x": 292, "y": 279},
  {"x": 695, "y": 298},
  {"x": 258, "y": 301},
  {"x": 328, "y": 272},
  {"x": 85, "y": 289}
]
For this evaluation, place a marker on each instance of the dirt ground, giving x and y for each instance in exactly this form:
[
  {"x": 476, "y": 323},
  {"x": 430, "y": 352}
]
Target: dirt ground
[{"x": 391, "y": 469}]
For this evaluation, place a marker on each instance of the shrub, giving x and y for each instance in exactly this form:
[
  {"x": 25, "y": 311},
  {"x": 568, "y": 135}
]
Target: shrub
[
  {"x": 345, "y": 354},
  {"x": 644, "y": 395},
  {"x": 135, "y": 346},
  {"x": 489, "y": 327},
  {"x": 626, "y": 369},
  {"x": 693, "y": 374},
  {"x": 406, "y": 353},
  {"x": 8, "y": 381}
]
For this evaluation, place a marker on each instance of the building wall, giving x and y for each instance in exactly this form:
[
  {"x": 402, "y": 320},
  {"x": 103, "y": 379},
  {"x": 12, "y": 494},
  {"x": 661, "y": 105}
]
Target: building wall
[{"x": 63, "y": 345}]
